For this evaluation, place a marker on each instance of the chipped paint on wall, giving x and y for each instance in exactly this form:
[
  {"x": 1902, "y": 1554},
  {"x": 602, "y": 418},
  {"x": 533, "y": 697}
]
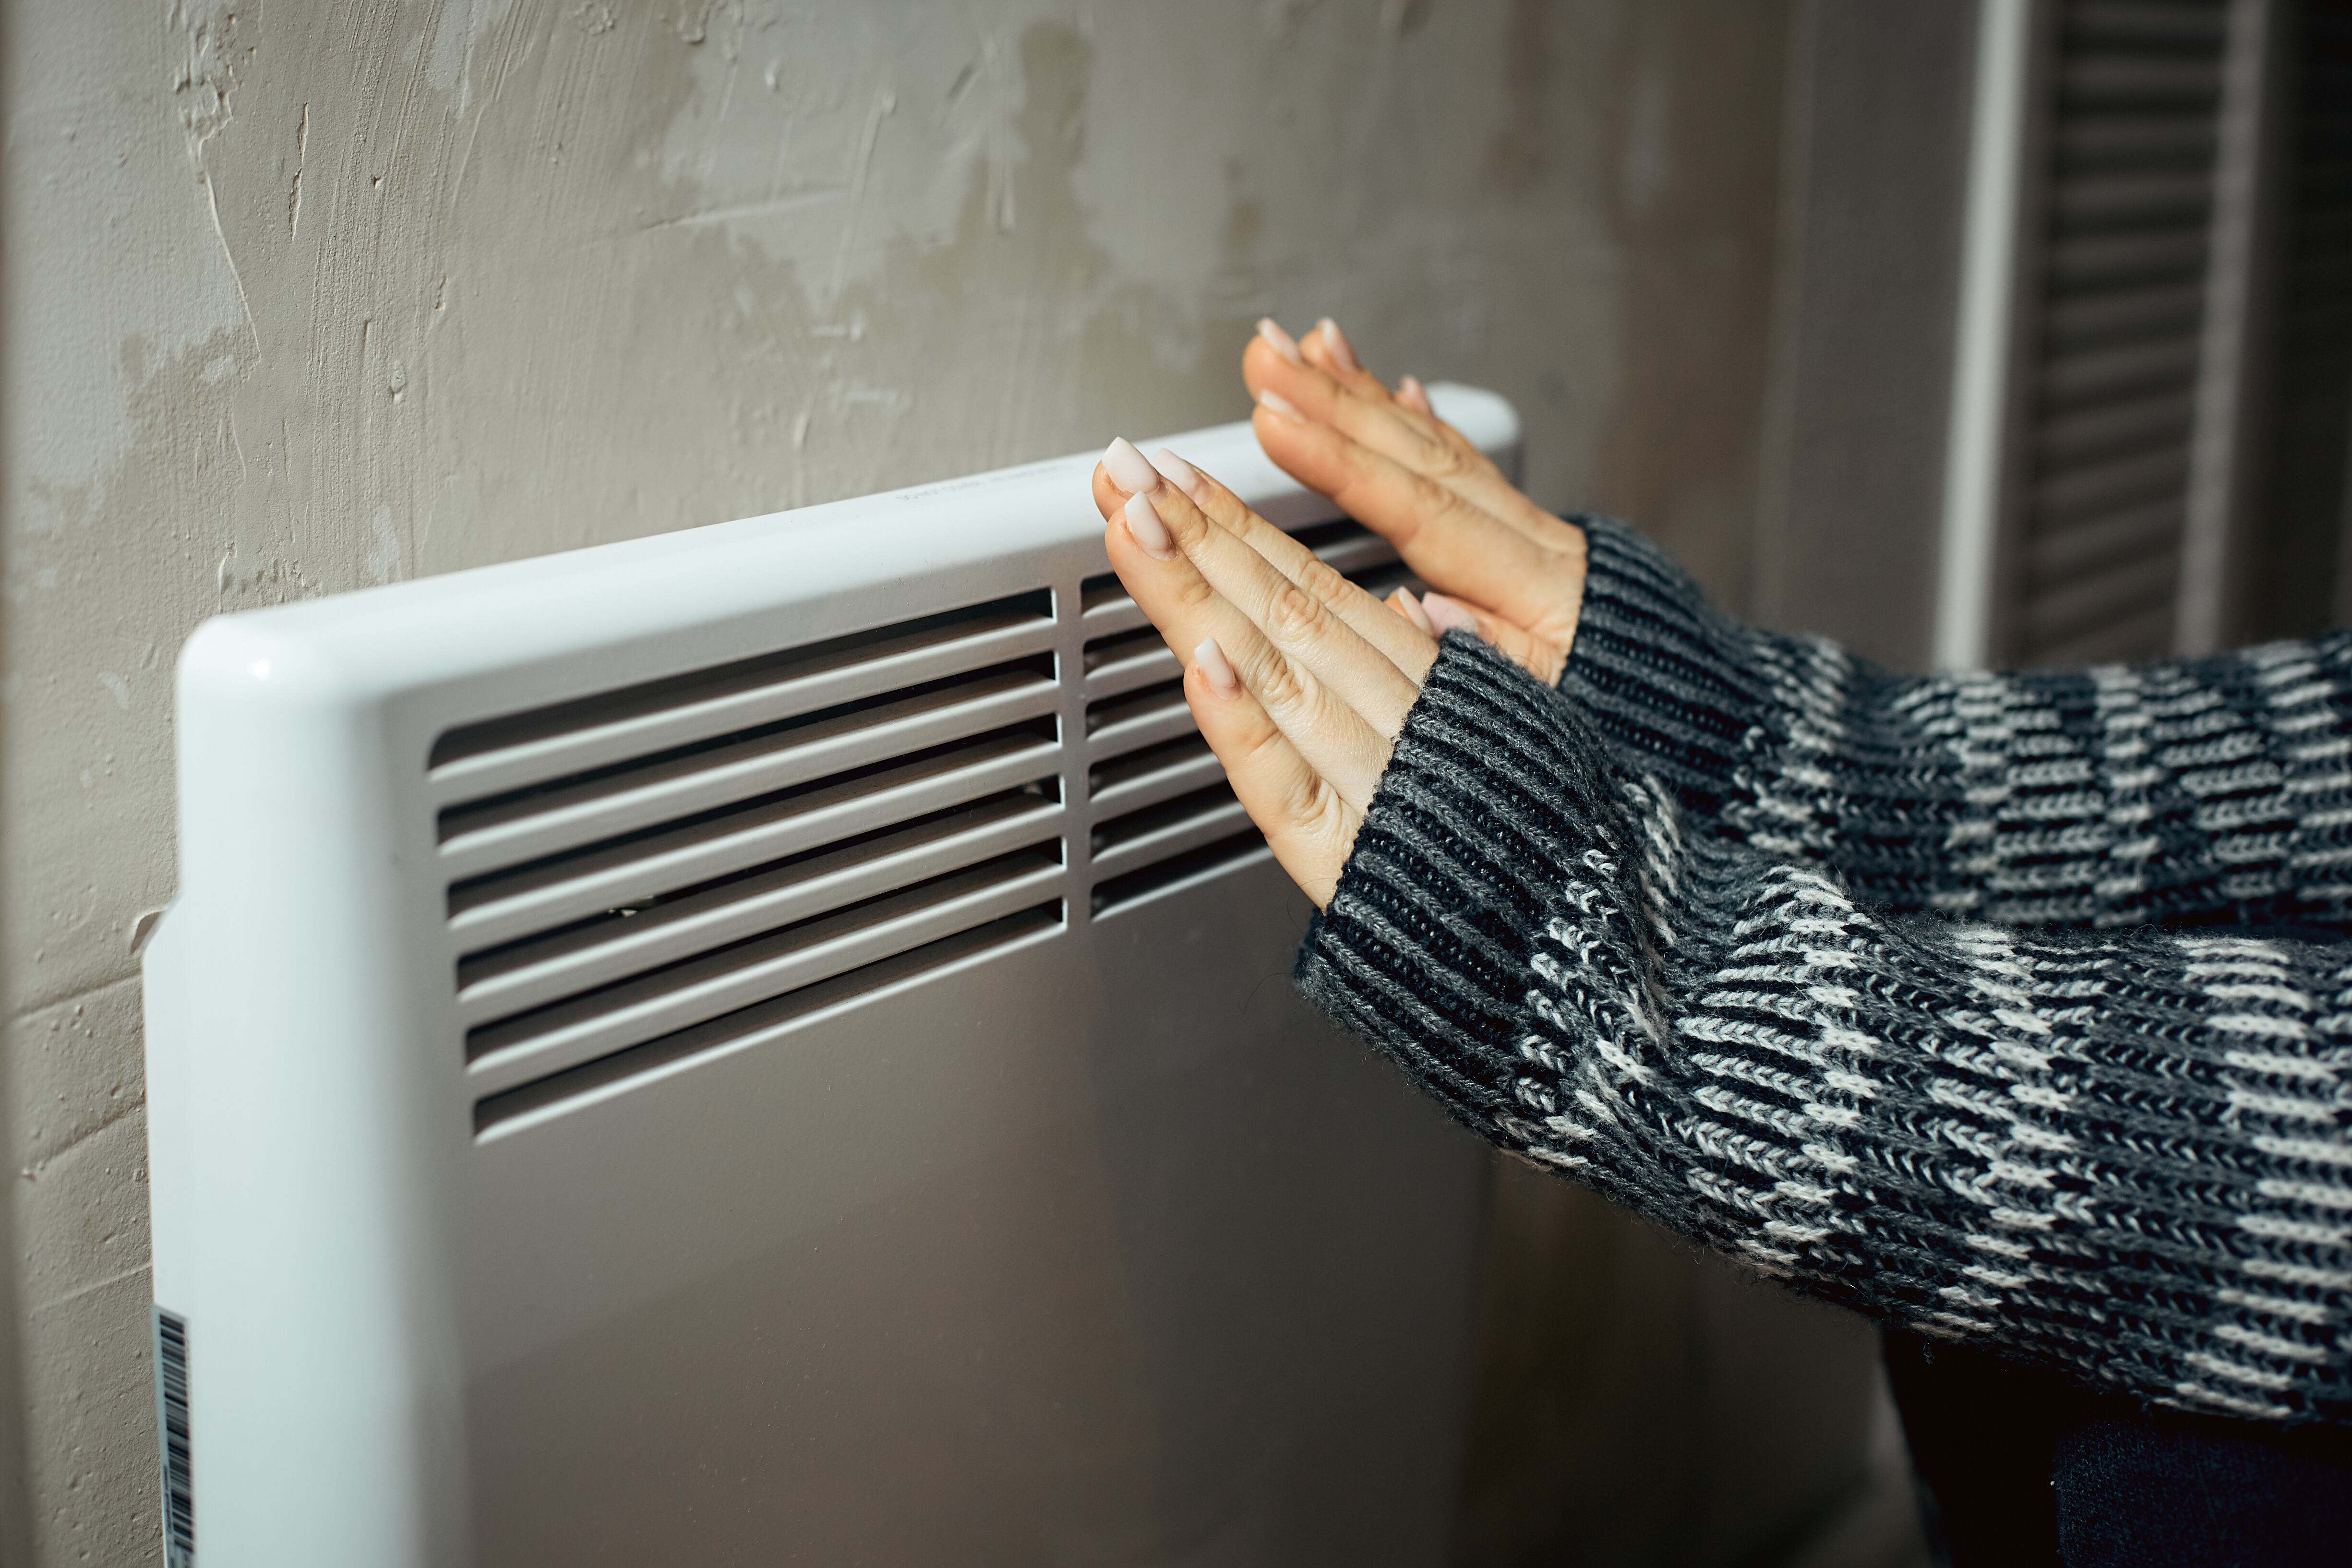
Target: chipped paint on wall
[{"x": 304, "y": 298}]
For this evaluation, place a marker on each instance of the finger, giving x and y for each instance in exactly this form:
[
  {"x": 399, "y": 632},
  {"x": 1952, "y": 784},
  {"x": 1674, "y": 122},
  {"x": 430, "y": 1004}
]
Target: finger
[
  {"x": 1541, "y": 659},
  {"x": 1328, "y": 349},
  {"x": 1300, "y": 625},
  {"x": 1334, "y": 737},
  {"x": 1413, "y": 655},
  {"x": 1358, "y": 609},
  {"x": 1450, "y": 542},
  {"x": 1414, "y": 396},
  {"x": 1303, "y": 379},
  {"x": 1307, "y": 822},
  {"x": 1360, "y": 407}
]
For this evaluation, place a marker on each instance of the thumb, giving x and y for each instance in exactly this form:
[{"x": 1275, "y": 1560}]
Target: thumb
[{"x": 1538, "y": 657}]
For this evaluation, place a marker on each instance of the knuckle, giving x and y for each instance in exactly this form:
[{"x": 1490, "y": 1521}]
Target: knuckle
[
  {"x": 1438, "y": 458},
  {"x": 1321, "y": 579},
  {"x": 1279, "y": 687},
  {"x": 1303, "y": 799},
  {"x": 1264, "y": 748},
  {"x": 1294, "y": 615},
  {"x": 1193, "y": 592},
  {"x": 1431, "y": 498},
  {"x": 1356, "y": 459}
]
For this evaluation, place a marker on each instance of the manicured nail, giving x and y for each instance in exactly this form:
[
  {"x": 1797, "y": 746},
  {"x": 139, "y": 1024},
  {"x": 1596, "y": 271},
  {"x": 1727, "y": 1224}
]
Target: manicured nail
[
  {"x": 1215, "y": 668},
  {"x": 1284, "y": 343},
  {"x": 1178, "y": 472},
  {"x": 1127, "y": 468},
  {"x": 1337, "y": 341},
  {"x": 1414, "y": 613},
  {"x": 1281, "y": 406},
  {"x": 1413, "y": 394},
  {"x": 1448, "y": 615},
  {"x": 1148, "y": 530}
]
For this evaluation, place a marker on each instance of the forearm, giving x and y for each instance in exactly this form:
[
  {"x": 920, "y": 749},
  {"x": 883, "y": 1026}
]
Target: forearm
[
  {"x": 2122, "y": 1152},
  {"x": 2218, "y": 790}
]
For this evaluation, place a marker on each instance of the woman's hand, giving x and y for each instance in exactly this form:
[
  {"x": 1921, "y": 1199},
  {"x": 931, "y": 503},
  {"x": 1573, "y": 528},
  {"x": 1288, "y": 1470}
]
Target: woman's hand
[
  {"x": 1502, "y": 565},
  {"x": 1299, "y": 679}
]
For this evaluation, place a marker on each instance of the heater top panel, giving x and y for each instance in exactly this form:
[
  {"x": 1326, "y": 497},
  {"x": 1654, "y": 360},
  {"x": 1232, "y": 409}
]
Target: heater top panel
[{"x": 616, "y": 605}]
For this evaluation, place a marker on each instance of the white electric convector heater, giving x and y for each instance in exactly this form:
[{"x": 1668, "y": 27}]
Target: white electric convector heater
[{"x": 774, "y": 1044}]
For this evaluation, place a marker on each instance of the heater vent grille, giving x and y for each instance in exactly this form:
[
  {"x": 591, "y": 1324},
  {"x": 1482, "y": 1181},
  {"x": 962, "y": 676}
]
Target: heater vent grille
[
  {"x": 654, "y": 872},
  {"x": 1162, "y": 813}
]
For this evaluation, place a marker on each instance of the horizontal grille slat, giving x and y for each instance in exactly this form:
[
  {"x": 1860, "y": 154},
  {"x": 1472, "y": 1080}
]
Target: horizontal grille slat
[
  {"x": 479, "y": 836},
  {"x": 1226, "y": 855},
  {"x": 1107, "y": 609},
  {"x": 2148, "y": 82},
  {"x": 525, "y": 974},
  {"x": 2106, "y": 487},
  {"x": 2111, "y": 430},
  {"x": 1167, "y": 830},
  {"x": 1347, "y": 547},
  {"x": 1380, "y": 581},
  {"x": 1154, "y": 774},
  {"x": 493, "y": 757},
  {"x": 2134, "y": 260},
  {"x": 2131, "y": 199},
  {"x": 514, "y": 1109},
  {"x": 2134, "y": 370},
  {"x": 629, "y": 1012},
  {"x": 2058, "y": 556},
  {"x": 2082, "y": 322},
  {"x": 745, "y": 834},
  {"x": 2119, "y": 592},
  {"x": 498, "y": 908},
  {"x": 2133, "y": 141},
  {"x": 1138, "y": 719},
  {"x": 2130, "y": 638},
  {"x": 1131, "y": 659},
  {"x": 2148, "y": 23}
]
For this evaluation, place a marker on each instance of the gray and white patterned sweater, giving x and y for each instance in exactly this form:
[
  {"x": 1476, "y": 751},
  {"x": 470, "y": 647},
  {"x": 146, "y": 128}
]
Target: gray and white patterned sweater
[{"x": 1857, "y": 978}]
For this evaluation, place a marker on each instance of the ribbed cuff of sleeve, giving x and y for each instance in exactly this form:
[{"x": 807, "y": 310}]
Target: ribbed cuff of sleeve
[
  {"x": 1425, "y": 949},
  {"x": 1660, "y": 673}
]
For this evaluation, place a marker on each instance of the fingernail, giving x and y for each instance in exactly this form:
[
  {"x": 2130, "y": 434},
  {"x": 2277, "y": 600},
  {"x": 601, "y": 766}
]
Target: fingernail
[
  {"x": 1148, "y": 530},
  {"x": 1414, "y": 612},
  {"x": 1413, "y": 394},
  {"x": 1215, "y": 668},
  {"x": 1284, "y": 343},
  {"x": 1178, "y": 472},
  {"x": 1448, "y": 615},
  {"x": 1127, "y": 468},
  {"x": 1337, "y": 341},
  {"x": 1281, "y": 406}
]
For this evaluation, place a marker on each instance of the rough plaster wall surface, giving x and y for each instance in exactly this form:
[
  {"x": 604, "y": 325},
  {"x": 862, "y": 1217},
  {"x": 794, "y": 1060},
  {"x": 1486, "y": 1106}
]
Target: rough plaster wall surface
[{"x": 301, "y": 298}]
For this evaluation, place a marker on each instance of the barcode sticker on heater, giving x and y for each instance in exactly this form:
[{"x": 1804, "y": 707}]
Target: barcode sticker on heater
[{"x": 171, "y": 1411}]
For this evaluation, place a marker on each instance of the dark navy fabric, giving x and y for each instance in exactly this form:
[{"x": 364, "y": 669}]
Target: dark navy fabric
[{"x": 2021, "y": 1467}]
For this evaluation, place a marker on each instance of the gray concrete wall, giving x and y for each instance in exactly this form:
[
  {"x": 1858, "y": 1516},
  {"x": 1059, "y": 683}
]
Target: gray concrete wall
[{"x": 304, "y": 298}]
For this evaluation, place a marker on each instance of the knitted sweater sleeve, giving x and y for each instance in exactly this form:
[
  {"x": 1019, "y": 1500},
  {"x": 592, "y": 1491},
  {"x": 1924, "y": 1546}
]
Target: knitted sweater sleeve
[
  {"x": 2213, "y": 790},
  {"x": 2123, "y": 1152}
]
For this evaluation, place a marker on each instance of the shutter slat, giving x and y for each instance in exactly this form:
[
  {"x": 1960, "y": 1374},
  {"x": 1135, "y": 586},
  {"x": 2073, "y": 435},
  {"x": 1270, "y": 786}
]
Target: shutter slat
[{"x": 2111, "y": 392}]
